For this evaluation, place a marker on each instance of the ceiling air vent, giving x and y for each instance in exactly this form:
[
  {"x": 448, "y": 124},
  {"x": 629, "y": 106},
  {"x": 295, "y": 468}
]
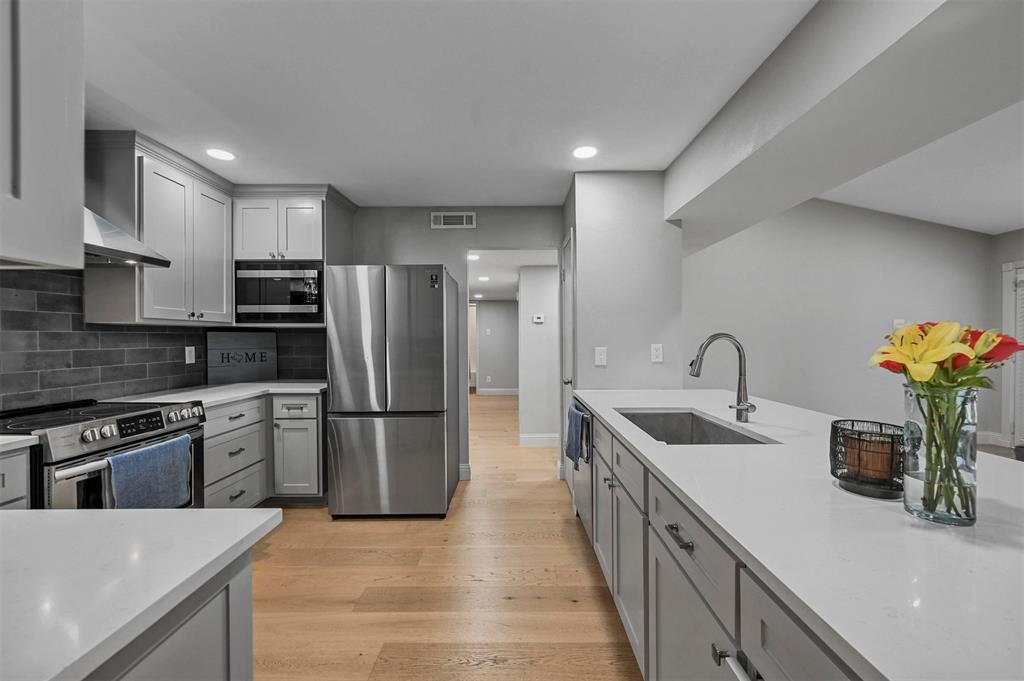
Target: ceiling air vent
[{"x": 453, "y": 220}]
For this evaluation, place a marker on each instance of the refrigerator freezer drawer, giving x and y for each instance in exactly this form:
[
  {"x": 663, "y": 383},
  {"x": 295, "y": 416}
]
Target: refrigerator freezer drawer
[{"x": 387, "y": 465}]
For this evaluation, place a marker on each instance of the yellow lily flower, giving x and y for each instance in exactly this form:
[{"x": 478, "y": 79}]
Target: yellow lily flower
[{"x": 922, "y": 351}]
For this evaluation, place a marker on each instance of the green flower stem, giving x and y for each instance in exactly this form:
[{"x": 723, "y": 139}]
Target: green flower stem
[{"x": 943, "y": 480}]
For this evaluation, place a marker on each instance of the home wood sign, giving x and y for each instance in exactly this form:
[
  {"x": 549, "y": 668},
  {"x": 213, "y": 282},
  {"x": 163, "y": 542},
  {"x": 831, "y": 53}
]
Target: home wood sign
[{"x": 238, "y": 356}]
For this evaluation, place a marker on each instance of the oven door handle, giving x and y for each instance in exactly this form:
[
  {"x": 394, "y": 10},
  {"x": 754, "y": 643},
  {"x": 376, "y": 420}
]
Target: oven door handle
[{"x": 75, "y": 471}]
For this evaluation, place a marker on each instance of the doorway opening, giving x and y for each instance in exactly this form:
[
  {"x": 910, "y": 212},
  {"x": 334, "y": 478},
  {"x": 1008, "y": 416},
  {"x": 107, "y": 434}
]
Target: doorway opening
[{"x": 514, "y": 351}]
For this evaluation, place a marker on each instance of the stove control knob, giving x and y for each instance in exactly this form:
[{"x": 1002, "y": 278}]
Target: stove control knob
[
  {"x": 108, "y": 431},
  {"x": 197, "y": 411},
  {"x": 173, "y": 416},
  {"x": 90, "y": 435},
  {"x": 185, "y": 413}
]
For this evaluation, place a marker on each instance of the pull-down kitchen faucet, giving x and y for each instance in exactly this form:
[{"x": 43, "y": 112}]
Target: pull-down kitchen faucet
[{"x": 743, "y": 406}]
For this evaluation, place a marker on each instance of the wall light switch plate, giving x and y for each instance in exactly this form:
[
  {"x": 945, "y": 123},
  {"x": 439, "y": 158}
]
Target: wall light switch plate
[
  {"x": 657, "y": 353},
  {"x": 190, "y": 354},
  {"x": 600, "y": 357},
  {"x": 897, "y": 323},
  {"x": 538, "y": 319},
  {"x": 487, "y": 379},
  {"x": 487, "y": 332}
]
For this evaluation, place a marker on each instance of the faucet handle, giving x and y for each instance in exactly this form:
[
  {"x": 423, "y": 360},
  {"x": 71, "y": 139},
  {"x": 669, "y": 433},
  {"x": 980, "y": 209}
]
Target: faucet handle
[{"x": 748, "y": 407}]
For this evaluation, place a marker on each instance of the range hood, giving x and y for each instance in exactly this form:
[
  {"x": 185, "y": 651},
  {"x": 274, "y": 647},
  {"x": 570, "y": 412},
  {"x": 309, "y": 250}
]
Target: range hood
[{"x": 107, "y": 244}]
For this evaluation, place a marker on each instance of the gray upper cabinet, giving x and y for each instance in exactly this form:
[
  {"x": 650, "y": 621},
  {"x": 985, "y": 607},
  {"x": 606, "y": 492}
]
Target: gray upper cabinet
[
  {"x": 681, "y": 628},
  {"x": 212, "y": 276},
  {"x": 41, "y": 127},
  {"x": 177, "y": 208},
  {"x": 279, "y": 228}
]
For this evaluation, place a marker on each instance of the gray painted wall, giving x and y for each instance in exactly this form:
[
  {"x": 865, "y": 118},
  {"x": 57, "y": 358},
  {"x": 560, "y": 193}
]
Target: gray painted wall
[
  {"x": 497, "y": 324},
  {"x": 403, "y": 235},
  {"x": 628, "y": 267},
  {"x": 812, "y": 292},
  {"x": 539, "y": 385}
]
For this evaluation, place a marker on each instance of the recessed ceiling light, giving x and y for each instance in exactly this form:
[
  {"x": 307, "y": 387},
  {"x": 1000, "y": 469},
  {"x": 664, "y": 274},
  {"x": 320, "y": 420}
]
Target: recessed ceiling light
[
  {"x": 472, "y": 256},
  {"x": 220, "y": 154},
  {"x": 484, "y": 278},
  {"x": 585, "y": 152},
  {"x": 478, "y": 295}
]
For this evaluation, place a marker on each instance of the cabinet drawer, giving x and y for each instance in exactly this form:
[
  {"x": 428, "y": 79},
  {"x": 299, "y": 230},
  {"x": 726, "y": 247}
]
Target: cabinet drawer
[
  {"x": 243, "y": 489},
  {"x": 295, "y": 407},
  {"x": 712, "y": 569},
  {"x": 13, "y": 477},
  {"x": 233, "y": 416},
  {"x": 233, "y": 452},
  {"x": 779, "y": 648},
  {"x": 602, "y": 441},
  {"x": 630, "y": 473}
]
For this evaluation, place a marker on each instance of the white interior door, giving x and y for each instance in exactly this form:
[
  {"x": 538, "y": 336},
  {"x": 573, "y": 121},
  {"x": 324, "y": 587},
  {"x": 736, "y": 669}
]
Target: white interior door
[{"x": 568, "y": 319}]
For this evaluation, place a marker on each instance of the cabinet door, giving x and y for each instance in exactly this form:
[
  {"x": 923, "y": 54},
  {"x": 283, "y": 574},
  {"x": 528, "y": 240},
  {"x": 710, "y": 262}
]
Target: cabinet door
[
  {"x": 681, "y": 628},
  {"x": 629, "y": 573},
  {"x": 213, "y": 276},
  {"x": 255, "y": 229},
  {"x": 42, "y": 126},
  {"x": 603, "y": 533},
  {"x": 300, "y": 224},
  {"x": 166, "y": 226},
  {"x": 296, "y": 457}
]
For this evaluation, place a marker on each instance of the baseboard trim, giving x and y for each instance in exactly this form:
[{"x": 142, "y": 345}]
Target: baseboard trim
[
  {"x": 497, "y": 391},
  {"x": 990, "y": 437},
  {"x": 539, "y": 439},
  {"x": 464, "y": 471}
]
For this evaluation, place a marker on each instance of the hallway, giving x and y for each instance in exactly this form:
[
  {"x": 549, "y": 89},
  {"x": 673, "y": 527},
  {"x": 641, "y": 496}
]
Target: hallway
[{"x": 507, "y": 587}]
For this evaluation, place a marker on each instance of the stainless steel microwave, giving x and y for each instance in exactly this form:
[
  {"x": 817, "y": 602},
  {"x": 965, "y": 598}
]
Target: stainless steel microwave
[{"x": 279, "y": 291}]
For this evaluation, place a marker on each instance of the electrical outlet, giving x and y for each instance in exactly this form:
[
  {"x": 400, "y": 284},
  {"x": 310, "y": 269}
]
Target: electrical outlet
[
  {"x": 487, "y": 332},
  {"x": 657, "y": 353},
  {"x": 897, "y": 323},
  {"x": 487, "y": 379},
  {"x": 190, "y": 354},
  {"x": 600, "y": 357}
]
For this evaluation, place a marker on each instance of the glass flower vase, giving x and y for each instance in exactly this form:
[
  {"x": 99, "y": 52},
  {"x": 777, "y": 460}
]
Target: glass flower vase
[{"x": 940, "y": 452}]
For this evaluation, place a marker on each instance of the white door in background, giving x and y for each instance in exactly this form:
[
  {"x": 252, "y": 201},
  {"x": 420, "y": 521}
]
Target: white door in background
[
  {"x": 474, "y": 346},
  {"x": 1017, "y": 369},
  {"x": 568, "y": 317}
]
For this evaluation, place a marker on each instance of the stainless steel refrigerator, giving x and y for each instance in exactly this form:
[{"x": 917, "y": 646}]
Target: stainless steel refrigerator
[{"x": 392, "y": 382}]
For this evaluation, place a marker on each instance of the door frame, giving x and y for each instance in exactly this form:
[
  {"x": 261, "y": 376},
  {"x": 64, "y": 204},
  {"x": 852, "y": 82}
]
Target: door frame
[
  {"x": 1010, "y": 374},
  {"x": 566, "y": 343}
]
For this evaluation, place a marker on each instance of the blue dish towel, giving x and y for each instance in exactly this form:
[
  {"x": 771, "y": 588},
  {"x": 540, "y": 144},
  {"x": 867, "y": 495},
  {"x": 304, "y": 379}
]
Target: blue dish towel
[
  {"x": 152, "y": 477},
  {"x": 574, "y": 437}
]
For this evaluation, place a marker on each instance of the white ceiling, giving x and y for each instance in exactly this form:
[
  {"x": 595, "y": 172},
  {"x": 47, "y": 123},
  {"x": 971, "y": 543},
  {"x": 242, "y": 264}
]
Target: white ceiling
[
  {"x": 973, "y": 178},
  {"x": 503, "y": 269},
  {"x": 425, "y": 103}
]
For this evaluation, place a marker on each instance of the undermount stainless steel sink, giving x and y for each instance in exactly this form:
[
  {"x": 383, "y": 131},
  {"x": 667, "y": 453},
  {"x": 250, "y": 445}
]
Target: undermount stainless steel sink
[{"x": 682, "y": 427}]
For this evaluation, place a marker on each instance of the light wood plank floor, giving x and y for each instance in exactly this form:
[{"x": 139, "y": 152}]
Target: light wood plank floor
[{"x": 506, "y": 588}]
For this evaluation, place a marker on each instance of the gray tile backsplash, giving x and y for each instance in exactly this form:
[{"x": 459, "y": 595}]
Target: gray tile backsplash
[{"x": 49, "y": 354}]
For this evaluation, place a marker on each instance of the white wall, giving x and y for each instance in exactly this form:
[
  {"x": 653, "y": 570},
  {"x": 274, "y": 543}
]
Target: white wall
[
  {"x": 403, "y": 236},
  {"x": 812, "y": 292},
  {"x": 539, "y": 384},
  {"x": 497, "y": 324},
  {"x": 628, "y": 264}
]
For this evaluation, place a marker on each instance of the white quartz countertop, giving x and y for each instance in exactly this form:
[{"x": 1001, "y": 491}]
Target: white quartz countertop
[
  {"x": 11, "y": 442},
  {"x": 214, "y": 395},
  {"x": 77, "y": 586},
  {"x": 896, "y": 597}
]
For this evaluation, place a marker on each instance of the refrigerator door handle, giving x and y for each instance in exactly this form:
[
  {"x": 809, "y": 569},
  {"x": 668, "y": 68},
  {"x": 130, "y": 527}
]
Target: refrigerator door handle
[{"x": 387, "y": 373}]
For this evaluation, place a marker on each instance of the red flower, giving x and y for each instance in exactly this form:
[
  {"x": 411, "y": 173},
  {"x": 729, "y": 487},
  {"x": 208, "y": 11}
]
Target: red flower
[
  {"x": 960, "y": 361},
  {"x": 1006, "y": 346},
  {"x": 892, "y": 366}
]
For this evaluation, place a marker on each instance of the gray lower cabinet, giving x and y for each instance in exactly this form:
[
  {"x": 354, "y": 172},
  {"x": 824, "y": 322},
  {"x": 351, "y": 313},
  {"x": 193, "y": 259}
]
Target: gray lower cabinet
[
  {"x": 207, "y": 637},
  {"x": 629, "y": 574},
  {"x": 235, "y": 452},
  {"x": 296, "y": 457},
  {"x": 681, "y": 628},
  {"x": 603, "y": 516},
  {"x": 14, "y": 480}
]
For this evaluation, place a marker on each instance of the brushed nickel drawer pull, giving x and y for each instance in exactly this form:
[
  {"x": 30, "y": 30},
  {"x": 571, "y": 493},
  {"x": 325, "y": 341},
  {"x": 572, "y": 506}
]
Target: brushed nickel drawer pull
[
  {"x": 236, "y": 416},
  {"x": 236, "y": 452},
  {"x": 293, "y": 407},
  {"x": 673, "y": 531},
  {"x": 236, "y": 495}
]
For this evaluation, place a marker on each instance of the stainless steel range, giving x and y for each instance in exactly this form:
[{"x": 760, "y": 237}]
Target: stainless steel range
[{"x": 69, "y": 466}]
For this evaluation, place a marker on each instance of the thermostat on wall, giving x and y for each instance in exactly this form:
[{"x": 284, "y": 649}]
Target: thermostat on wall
[{"x": 538, "y": 319}]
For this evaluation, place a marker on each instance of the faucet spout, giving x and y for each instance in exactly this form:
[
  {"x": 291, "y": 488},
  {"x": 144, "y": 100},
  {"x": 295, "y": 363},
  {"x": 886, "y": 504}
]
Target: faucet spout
[{"x": 743, "y": 405}]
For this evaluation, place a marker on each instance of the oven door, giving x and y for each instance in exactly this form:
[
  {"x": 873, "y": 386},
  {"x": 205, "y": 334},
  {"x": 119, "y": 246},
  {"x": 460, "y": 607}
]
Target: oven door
[{"x": 85, "y": 483}]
